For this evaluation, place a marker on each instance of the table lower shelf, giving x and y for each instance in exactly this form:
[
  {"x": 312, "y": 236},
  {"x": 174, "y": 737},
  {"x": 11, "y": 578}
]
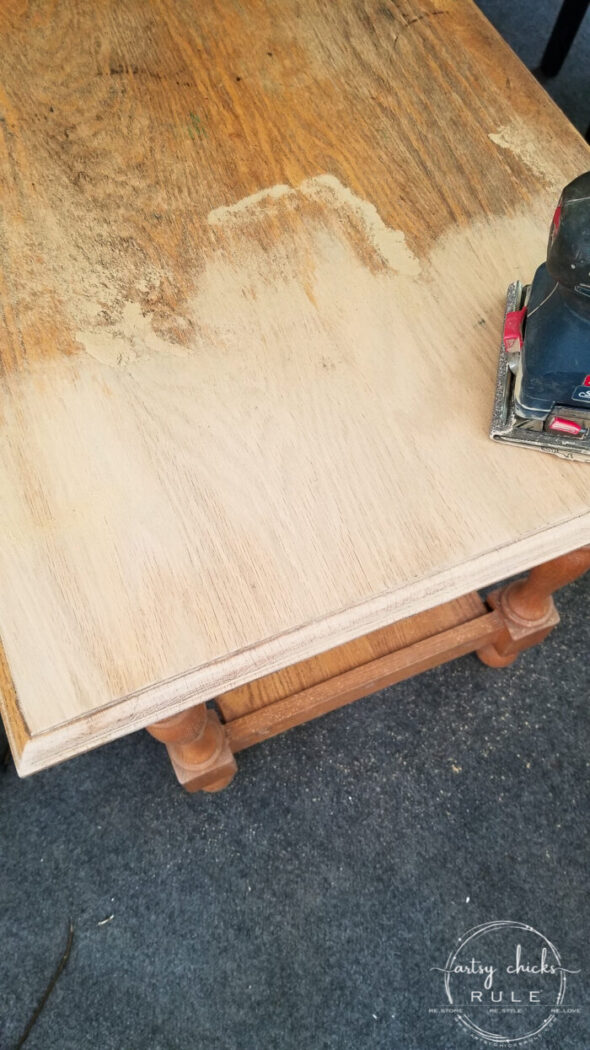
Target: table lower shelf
[
  {"x": 313, "y": 687},
  {"x": 202, "y": 742}
]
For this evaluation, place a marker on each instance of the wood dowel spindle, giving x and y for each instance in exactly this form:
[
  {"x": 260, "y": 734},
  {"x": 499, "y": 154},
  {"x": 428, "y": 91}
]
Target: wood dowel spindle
[
  {"x": 198, "y": 748},
  {"x": 182, "y": 727},
  {"x": 528, "y": 608},
  {"x": 530, "y": 599}
]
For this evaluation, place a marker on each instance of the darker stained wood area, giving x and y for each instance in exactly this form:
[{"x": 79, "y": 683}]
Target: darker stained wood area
[{"x": 123, "y": 125}]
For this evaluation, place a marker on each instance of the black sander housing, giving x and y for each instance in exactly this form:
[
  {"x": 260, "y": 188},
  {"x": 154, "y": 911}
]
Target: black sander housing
[{"x": 543, "y": 384}]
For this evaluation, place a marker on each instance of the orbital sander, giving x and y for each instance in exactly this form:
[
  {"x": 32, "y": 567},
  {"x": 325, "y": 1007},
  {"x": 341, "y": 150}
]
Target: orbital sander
[{"x": 543, "y": 383}]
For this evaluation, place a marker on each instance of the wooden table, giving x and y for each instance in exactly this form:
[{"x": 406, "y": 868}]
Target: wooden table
[{"x": 254, "y": 263}]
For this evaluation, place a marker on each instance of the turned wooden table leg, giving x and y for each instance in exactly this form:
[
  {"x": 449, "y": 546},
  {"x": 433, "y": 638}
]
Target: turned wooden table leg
[
  {"x": 528, "y": 608},
  {"x": 198, "y": 748}
]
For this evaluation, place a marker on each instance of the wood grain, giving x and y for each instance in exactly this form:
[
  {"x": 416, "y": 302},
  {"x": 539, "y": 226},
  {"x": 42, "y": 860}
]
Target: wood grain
[
  {"x": 328, "y": 695},
  {"x": 254, "y": 260},
  {"x": 361, "y": 651}
]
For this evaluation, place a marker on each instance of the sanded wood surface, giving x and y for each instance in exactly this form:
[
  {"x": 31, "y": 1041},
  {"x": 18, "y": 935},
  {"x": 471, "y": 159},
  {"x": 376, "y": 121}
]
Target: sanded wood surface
[{"x": 254, "y": 262}]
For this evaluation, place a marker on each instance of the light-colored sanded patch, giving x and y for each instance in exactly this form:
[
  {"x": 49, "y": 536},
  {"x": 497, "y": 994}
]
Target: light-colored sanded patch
[
  {"x": 132, "y": 336},
  {"x": 535, "y": 148},
  {"x": 330, "y": 423},
  {"x": 315, "y": 220},
  {"x": 232, "y": 211},
  {"x": 327, "y": 190},
  {"x": 391, "y": 244}
]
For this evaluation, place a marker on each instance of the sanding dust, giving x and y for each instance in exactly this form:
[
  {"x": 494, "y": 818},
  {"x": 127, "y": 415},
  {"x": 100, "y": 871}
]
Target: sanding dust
[
  {"x": 129, "y": 338},
  {"x": 319, "y": 217},
  {"x": 254, "y": 290},
  {"x": 230, "y": 211},
  {"x": 327, "y": 189},
  {"x": 512, "y": 138},
  {"x": 537, "y": 150}
]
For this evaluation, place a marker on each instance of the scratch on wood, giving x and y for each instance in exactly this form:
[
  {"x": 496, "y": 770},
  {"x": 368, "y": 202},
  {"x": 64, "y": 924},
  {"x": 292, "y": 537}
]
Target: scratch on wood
[{"x": 418, "y": 18}]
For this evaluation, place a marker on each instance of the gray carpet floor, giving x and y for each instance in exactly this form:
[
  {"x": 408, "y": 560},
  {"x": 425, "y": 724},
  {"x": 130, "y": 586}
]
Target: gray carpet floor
[
  {"x": 306, "y": 905},
  {"x": 526, "y": 26}
]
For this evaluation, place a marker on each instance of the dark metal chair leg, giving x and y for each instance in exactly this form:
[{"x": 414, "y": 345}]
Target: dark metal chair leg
[{"x": 568, "y": 22}]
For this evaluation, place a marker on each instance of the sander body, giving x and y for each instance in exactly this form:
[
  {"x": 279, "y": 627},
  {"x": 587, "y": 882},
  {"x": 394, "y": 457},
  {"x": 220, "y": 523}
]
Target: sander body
[{"x": 543, "y": 383}]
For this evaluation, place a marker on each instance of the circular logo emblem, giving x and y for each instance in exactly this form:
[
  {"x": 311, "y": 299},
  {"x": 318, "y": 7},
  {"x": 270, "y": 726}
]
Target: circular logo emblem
[{"x": 505, "y": 981}]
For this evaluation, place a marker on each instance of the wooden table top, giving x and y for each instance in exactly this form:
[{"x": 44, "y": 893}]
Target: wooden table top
[{"x": 254, "y": 263}]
